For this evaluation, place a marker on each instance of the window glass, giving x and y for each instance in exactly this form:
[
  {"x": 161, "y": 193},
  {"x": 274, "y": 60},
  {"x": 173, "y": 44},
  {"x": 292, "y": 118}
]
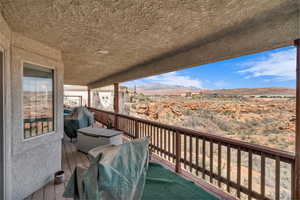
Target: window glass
[
  {"x": 38, "y": 100},
  {"x": 72, "y": 101}
]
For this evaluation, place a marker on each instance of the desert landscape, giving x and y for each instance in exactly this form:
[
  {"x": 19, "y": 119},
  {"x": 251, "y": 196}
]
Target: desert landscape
[
  {"x": 264, "y": 116},
  {"x": 38, "y": 113}
]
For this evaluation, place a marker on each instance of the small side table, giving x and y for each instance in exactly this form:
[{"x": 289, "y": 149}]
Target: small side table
[{"x": 89, "y": 138}]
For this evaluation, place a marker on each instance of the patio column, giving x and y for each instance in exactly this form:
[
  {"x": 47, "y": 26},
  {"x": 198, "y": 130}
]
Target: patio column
[
  {"x": 297, "y": 150},
  {"x": 116, "y": 103},
  {"x": 89, "y": 97}
]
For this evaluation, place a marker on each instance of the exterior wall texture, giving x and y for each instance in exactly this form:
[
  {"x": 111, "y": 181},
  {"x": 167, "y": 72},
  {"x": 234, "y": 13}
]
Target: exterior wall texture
[
  {"x": 28, "y": 164},
  {"x": 34, "y": 160},
  {"x": 5, "y": 139}
]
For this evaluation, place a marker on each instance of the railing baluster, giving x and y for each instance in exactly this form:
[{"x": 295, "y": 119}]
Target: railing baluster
[
  {"x": 153, "y": 134},
  {"x": 154, "y": 137},
  {"x": 239, "y": 172},
  {"x": 184, "y": 153},
  {"x": 250, "y": 174},
  {"x": 197, "y": 155},
  {"x": 145, "y": 129},
  {"x": 136, "y": 129},
  {"x": 149, "y": 130},
  {"x": 228, "y": 167},
  {"x": 178, "y": 152},
  {"x": 48, "y": 125},
  {"x": 277, "y": 178},
  {"x": 36, "y": 128},
  {"x": 165, "y": 142},
  {"x": 30, "y": 126},
  {"x": 141, "y": 128},
  {"x": 211, "y": 161},
  {"x": 191, "y": 153},
  {"x": 161, "y": 142},
  {"x": 262, "y": 175},
  {"x": 174, "y": 146},
  {"x": 130, "y": 126},
  {"x": 219, "y": 162},
  {"x": 203, "y": 157},
  {"x": 42, "y": 127},
  {"x": 157, "y": 139},
  {"x": 169, "y": 145}
]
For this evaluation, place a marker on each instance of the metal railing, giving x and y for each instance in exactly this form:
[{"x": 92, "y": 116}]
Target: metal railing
[
  {"x": 37, "y": 126},
  {"x": 242, "y": 169}
]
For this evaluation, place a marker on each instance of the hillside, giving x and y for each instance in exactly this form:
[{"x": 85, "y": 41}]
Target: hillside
[
  {"x": 255, "y": 91},
  {"x": 163, "y": 89}
]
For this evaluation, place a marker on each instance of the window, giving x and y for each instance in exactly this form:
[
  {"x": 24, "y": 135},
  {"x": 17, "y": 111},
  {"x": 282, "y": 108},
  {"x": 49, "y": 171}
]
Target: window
[
  {"x": 38, "y": 100},
  {"x": 72, "y": 101}
]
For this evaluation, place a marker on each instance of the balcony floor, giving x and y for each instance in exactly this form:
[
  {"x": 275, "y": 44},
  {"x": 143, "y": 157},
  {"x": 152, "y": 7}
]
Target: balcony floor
[{"x": 72, "y": 158}]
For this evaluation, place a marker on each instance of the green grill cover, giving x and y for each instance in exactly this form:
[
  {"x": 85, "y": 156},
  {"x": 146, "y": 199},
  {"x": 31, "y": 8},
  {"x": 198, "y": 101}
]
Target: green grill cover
[{"x": 116, "y": 173}]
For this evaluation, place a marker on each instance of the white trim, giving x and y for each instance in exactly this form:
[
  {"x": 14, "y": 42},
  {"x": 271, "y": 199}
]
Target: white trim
[
  {"x": 6, "y": 124},
  {"x": 55, "y": 94}
]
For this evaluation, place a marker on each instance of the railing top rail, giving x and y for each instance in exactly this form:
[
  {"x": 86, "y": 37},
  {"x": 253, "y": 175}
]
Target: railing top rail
[{"x": 216, "y": 138}]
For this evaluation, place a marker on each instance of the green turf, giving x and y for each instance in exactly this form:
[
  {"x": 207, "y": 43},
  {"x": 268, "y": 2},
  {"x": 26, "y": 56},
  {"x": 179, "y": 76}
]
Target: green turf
[{"x": 163, "y": 184}]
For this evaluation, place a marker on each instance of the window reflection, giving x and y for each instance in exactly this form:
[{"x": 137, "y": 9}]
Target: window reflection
[{"x": 37, "y": 100}]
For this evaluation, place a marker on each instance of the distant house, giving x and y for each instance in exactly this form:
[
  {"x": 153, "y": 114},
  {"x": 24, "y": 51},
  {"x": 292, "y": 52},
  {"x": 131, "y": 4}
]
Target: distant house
[{"x": 188, "y": 94}]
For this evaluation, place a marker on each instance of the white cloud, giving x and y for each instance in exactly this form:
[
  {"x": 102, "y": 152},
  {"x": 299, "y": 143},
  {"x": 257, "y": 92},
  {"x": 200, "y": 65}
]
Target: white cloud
[
  {"x": 281, "y": 65},
  {"x": 173, "y": 78}
]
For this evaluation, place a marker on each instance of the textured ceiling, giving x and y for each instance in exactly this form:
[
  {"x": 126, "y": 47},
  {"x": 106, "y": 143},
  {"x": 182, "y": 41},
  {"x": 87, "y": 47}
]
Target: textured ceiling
[{"x": 104, "y": 38}]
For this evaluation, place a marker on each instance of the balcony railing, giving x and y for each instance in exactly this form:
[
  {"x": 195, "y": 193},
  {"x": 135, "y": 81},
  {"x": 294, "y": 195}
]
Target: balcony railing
[
  {"x": 37, "y": 126},
  {"x": 242, "y": 169}
]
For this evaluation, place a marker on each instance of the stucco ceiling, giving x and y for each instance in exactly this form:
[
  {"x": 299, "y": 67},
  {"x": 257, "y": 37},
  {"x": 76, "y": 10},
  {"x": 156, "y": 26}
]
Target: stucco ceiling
[{"x": 106, "y": 41}]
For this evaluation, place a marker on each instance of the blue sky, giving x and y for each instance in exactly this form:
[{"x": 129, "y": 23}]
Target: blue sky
[{"x": 273, "y": 68}]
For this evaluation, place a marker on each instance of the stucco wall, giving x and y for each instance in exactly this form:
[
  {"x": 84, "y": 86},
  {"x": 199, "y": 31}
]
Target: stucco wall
[
  {"x": 34, "y": 160},
  {"x": 5, "y": 139}
]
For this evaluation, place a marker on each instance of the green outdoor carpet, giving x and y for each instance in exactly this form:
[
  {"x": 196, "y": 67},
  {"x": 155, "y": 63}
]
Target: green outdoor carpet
[{"x": 163, "y": 184}]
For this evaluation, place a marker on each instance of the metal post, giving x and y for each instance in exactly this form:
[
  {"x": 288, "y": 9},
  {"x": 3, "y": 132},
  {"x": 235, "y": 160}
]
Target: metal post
[
  {"x": 297, "y": 149},
  {"x": 116, "y": 103}
]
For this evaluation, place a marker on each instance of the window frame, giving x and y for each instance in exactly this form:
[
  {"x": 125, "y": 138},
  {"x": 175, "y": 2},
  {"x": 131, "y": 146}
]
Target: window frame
[{"x": 54, "y": 99}]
